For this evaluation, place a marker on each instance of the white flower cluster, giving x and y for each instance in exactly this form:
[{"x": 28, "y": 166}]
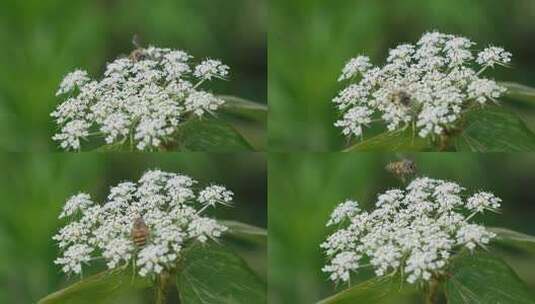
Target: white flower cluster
[
  {"x": 141, "y": 99},
  {"x": 169, "y": 208},
  {"x": 415, "y": 230},
  {"x": 428, "y": 85}
]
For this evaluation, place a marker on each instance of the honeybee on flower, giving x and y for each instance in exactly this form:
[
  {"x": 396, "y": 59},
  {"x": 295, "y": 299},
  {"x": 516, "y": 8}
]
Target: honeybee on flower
[
  {"x": 142, "y": 99},
  {"x": 428, "y": 85},
  {"x": 145, "y": 223}
]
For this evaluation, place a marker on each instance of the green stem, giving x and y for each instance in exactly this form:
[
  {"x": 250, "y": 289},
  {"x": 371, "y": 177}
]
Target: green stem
[
  {"x": 161, "y": 288},
  {"x": 431, "y": 293}
]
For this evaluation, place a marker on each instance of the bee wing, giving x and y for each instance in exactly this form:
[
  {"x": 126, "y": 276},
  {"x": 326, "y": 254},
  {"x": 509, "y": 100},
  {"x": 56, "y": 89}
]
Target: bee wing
[{"x": 137, "y": 41}]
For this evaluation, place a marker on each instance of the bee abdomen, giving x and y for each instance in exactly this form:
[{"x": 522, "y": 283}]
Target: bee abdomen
[
  {"x": 140, "y": 232},
  {"x": 139, "y": 238}
]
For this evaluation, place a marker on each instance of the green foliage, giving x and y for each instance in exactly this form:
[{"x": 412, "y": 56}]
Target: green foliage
[
  {"x": 521, "y": 92},
  {"x": 515, "y": 239},
  {"x": 376, "y": 290},
  {"x": 210, "y": 135},
  {"x": 246, "y": 232},
  {"x": 494, "y": 129},
  {"x": 104, "y": 287},
  {"x": 397, "y": 141},
  {"x": 249, "y": 118},
  {"x": 483, "y": 278},
  {"x": 212, "y": 274}
]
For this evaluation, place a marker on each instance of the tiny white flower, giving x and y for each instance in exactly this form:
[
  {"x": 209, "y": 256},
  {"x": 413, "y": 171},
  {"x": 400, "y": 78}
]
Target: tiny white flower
[
  {"x": 72, "y": 80},
  {"x": 71, "y": 134},
  {"x": 471, "y": 235},
  {"x": 74, "y": 257},
  {"x": 343, "y": 211},
  {"x": 203, "y": 229},
  {"x": 342, "y": 265},
  {"x": 201, "y": 102},
  {"x": 211, "y": 68},
  {"x": 482, "y": 201},
  {"x": 154, "y": 259},
  {"x": 215, "y": 194},
  {"x": 354, "y": 119},
  {"x": 354, "y": 67},
  {"x": 79, "y": 202},
  {"x": 494, "y": 56},
  {"x": 483, "y": 90}
]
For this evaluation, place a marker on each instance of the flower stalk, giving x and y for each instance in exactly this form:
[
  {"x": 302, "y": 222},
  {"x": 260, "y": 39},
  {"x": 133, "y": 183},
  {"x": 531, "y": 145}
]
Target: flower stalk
[
  {"x": 431, "y": 294},
  {"x": 162, "y": 283}
]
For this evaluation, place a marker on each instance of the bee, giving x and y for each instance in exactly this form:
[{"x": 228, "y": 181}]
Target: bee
[
  {"x": 401, "y": 97},
  {"x": 402, "y": 168},
  {"x": 140, "y": 232},
  {"x": 137, "y": 54}
]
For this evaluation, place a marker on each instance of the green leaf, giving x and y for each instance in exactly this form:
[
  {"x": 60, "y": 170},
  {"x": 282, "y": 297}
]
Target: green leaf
[
  {"x": 495, "y": 129},
  {"x": 244, "y": 108},
  {"x": 211, "y": 274},
  {"x": 249, "y": 118},
  {"x": 514, "y": 238},
  {"x": 246, "y": 232},
  {"x": 484, "y": 279},
  {"x": 372, "y": 291},
  {"x": 519, "y": 92},
  {"x": 397, "y": 141},
  {"x": 250, "y": 243},
  {"x": 213, "y": 135},
  {"x": 104, "y": 287}
]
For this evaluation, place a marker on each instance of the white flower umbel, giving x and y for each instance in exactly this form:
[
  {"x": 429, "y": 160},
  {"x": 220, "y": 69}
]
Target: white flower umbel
[
  {"x": 169, "y": 206},
  {"x": 414, "y": 231},
  {"x": 140, "y": 100},
  {"x": 428, "y": 86}
]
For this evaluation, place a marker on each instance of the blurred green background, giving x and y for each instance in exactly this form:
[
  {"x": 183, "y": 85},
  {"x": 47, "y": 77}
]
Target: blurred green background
[
  {"x": 311, "y": 40},
  {"x": 34, "y": 187},
  {"x": 305, "y": 188},
  {"x": 41, "y": 41}
]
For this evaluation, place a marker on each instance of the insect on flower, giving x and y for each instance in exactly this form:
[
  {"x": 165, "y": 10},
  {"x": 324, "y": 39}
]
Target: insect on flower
[
  {"x": 402, "y": 169},
  {"x": 401, "y": 97},
  {"x": 146, "y": 223},
  {"x": 429, "y": 85},
  {"x": 140, "y": 102},
  {"x": 140, "y": 232}
]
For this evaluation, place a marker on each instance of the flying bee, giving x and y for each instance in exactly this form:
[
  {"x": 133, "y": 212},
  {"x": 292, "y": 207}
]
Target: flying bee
[
  {"x": 137, "y": 54},
  {"x": 401, "y": 97},
  {"x": 402, "y": 169},
  {"x": 140, "y": 232}
]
